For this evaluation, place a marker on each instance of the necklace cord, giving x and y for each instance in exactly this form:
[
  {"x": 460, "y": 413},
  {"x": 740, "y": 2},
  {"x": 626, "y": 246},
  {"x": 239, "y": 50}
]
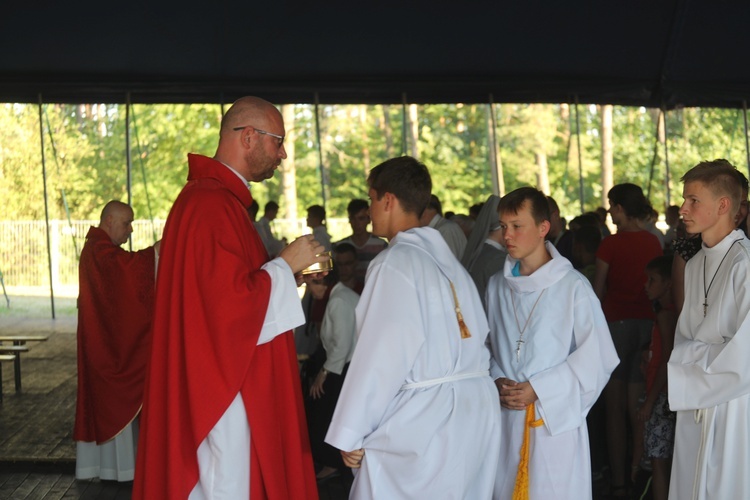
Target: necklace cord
[
  {"x": 706, "y": 290},
  {"x": 521, "y": 331}
]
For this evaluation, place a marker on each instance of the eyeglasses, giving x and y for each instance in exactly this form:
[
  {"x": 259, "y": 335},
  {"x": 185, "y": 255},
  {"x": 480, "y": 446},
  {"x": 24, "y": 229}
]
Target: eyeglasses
[{"x": 280, "y": 138}]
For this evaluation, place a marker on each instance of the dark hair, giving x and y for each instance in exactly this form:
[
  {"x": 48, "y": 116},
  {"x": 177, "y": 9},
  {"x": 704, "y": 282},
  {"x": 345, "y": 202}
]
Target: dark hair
[
  {"x": 553, "y": 207},
  {"x": 662, "y": 265},
  {"x": 721, "y": 177},
  {"x": 356, "y": 205},
  {"x": 332, "y": 277},
  {"x": 317, "y": 211},
  {"x": 271, "y": 206},
  {"x": 513, "y": 201},
  {"x": 253, "y": 209},
  {"x": 345, "y": 248},
  {"x": 630, "y": 197},
  {"x": 475, "y": 209},
  {"x": 587, "y": 219},
  {"x": 407, "y": 179},
  {"x": 589, "y": 237},
  {"x": 435, "y": 204}
]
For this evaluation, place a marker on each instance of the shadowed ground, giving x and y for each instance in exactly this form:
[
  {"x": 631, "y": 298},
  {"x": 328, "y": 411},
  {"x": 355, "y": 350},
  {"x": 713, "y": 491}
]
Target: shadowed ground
[{"x": 37, "y": 452}]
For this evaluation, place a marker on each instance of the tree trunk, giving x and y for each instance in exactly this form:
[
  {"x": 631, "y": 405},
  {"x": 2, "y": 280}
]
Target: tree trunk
[
  {"x": 287, "y": 168},
  {"x": 496, "y": 162},
  {"x": 365, "y": 142},
  {"x": 414, "y": 130},
  {"x": 387, "y": 131},
  {"x": 607, "y": 152},
  {"x": 571, "y": 159},
  {"x": 542, "y": 176}
]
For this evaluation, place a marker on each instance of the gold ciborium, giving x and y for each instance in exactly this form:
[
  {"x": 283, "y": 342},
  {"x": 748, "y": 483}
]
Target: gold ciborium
[{"x": 320, "y": 267}]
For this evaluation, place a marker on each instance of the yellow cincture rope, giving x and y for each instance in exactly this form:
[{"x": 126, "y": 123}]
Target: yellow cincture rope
[
  {"x": 521, "y": 489},
  {"x": 465, "y": 333}
]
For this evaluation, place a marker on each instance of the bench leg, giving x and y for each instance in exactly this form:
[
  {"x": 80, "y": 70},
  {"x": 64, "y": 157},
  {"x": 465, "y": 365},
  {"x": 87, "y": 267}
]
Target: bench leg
[
  {"x": 17, "y": 372},
  {"x": 1, "y": 382}
]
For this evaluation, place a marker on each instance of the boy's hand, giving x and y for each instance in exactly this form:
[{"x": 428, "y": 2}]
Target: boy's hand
[
  {"x": 353, "y": 459},
  {"x": 516, "y": 396}
]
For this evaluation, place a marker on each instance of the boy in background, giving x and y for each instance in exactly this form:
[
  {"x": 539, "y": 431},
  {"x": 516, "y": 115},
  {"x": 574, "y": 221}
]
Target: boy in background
[{"x": 658, "y": 436}]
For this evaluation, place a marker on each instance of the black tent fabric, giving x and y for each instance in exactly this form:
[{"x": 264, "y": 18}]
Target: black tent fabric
[{"x": 666, "y": 53}]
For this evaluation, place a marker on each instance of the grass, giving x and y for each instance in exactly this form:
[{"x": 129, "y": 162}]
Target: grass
[{"x": 34, "y": 302}]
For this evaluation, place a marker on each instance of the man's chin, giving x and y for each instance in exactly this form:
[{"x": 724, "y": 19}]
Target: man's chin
[{"x": 691, "y": 228}]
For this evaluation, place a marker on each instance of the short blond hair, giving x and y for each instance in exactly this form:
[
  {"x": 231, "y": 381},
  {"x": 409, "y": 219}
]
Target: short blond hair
[{"x": 720, "y": 177}]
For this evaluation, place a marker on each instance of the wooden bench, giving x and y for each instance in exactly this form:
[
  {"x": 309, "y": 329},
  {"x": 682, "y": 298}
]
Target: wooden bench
[
  {"x": 4, "y": 357},
  {"x": 18, "y": 346}
]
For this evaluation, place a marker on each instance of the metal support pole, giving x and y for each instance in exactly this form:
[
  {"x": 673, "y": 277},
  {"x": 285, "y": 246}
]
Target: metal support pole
[
  {"x": 580, "y": 158},
  {"x": 128, "y": 160},
  {"x": 46, "y": 208},
  {"x": 143, "y": 172},
  {"x": 747, "y": 141},
  {"x": 667, "y": 197}
]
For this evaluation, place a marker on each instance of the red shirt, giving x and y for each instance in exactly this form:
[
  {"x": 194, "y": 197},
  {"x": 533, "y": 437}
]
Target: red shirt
[{"x": 627, "y": 254}]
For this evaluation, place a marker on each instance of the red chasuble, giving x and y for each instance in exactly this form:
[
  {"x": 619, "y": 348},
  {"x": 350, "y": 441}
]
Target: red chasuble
[
  {"x": 211, "y": 300},
  {"x": 115, "y": 306}
]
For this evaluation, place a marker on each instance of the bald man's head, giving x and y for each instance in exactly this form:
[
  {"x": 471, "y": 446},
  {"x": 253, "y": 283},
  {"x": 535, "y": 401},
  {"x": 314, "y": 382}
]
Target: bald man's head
[
  {"x": 252, "y": 111},
  {"x": 116, "y": 220},
  {"x": 251, "y": 138}
]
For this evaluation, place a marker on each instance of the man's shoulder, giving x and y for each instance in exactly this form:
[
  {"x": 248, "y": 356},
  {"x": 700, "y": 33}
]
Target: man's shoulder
[
  {"x": 376, "y": 241},
  {"x": 344, "y": 293}
]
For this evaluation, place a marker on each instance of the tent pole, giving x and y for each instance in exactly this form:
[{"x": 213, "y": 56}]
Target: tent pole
[
  {"x": 323, "y": 183},
  {"x": 46, "y": 208},
  {"x": 143, "y": 173},
  {"x": 580, "y": 157},
  {"x": 667, "y": 198},
  {"x": 62, "y": 190},
  {"x": 654, "y": 156},
  {"x": 128, "y": 160},
  {"x": 747, "y": 141}
]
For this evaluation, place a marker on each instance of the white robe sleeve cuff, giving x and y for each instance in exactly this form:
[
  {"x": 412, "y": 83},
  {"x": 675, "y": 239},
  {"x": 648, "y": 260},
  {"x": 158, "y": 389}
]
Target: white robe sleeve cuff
[
  {"x": 284, "y": 306},
  {"x": 344, "y": 439}
]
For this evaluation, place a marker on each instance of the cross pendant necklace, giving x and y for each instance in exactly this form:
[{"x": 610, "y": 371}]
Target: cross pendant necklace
[
  {"x": 520, "y": 342},
  {"x": 706, "y": 290}
]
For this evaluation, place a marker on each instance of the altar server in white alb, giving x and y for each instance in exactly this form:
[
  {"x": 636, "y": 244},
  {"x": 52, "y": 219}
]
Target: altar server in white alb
[
  {"x": 418, "y": 416},
  {"x": 552, "y": 356},
  {"x": 709, "y": 370}
]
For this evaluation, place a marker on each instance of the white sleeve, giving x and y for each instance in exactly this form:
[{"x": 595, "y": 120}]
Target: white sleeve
[
  {"x": 567, "y": 391},
  {"x": 391, "y": 334},
  {"x": 337, "y": 333},
  {"x": 284, "y": 311}
]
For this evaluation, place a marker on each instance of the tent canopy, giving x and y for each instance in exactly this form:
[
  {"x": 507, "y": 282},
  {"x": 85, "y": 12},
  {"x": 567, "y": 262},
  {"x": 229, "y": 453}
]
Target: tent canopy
[{"x": 669, "y": 53}]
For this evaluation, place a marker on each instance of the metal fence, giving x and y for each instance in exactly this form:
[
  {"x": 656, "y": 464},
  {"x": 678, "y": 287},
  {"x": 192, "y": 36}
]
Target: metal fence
[{"x": 23, "y": 246}]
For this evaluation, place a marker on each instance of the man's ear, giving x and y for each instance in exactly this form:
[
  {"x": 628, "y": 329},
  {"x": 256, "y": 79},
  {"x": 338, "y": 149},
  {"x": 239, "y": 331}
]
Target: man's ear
[
  {"x": 724, "y": 205},
  {"x": 544, "y": 228},
  {"x": 245, "y": 139},
  {"x": 390, "y": 201}
]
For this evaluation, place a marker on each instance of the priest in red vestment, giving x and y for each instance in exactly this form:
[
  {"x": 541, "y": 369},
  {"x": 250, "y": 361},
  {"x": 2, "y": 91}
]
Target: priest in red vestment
[
  {"x": 115, "y": 308},
  {"x": 223, "y": 415}
]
